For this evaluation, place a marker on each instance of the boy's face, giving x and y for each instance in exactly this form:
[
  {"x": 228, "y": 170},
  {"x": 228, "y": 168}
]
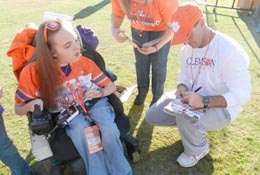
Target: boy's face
[{"x": 65, "y": 46}]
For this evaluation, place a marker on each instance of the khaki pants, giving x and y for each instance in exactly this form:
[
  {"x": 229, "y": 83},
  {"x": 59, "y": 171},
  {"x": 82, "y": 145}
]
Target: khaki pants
[{"x": 193, "y": 135}]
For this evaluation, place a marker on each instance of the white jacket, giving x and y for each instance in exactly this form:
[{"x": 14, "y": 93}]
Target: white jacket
[{"x": 224, "y": 71}]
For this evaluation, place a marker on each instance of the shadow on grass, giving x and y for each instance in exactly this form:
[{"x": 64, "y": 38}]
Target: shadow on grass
[
  {"x": 144, "y": 129},
  {"x": 252, "y": 28},
  {"x": 90, "y": 10},
  {"x": 43, "y": 167},
  {"x": 163, "y": 162},
  {"x": 246, "y": 18}
]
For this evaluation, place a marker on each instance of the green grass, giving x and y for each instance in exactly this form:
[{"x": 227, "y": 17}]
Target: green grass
[{"x": 234, "y": 150}]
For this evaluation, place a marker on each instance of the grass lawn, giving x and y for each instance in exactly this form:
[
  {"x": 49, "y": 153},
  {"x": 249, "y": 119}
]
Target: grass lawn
[{"x": 233, "y": 151}]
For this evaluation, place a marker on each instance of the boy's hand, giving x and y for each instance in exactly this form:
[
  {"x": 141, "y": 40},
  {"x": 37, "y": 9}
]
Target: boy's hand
[
  {"x": 36, "y": 102},
  {"x": 92, "y": 94}
]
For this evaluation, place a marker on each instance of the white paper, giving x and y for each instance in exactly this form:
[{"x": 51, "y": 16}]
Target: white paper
[
  {"x": 179, "y": 109},
  {"x": 51, "y": 15},
  {"x": 40, "y": 146},
  {"x": 127, "y": 93}
]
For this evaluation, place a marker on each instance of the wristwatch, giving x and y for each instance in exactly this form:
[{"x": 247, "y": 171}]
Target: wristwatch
[{"x": 206, "y": 101}]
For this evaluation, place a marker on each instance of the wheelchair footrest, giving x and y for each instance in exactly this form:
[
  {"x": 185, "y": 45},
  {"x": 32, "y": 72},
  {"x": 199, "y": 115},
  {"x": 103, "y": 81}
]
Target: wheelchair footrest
[{"x": 132, "y": 149}]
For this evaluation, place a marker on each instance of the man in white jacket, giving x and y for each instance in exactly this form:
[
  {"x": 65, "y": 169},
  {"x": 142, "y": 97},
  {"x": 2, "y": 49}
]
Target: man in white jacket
[{"x": 213, "y": 76}]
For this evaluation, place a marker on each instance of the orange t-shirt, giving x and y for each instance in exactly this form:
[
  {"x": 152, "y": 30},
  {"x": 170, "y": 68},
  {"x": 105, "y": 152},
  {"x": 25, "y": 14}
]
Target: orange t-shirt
[
  {"x": 85, "y": 70},
  {"x": 152, "y": 17}
]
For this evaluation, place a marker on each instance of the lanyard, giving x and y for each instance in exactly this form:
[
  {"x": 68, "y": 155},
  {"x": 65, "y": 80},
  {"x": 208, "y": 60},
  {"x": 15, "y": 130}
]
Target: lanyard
[
  {"x": 195, "y": 79},
  {"x": 78, "y": 95}
]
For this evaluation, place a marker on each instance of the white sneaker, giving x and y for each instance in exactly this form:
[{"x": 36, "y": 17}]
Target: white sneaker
[{"x": 186, "y": 160}]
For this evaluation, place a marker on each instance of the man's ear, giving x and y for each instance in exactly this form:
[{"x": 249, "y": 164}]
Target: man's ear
[{"x": 202, "y": 21}]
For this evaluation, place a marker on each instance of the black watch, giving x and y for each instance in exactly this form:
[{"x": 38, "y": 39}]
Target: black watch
[{"x": 206, "y": 101}]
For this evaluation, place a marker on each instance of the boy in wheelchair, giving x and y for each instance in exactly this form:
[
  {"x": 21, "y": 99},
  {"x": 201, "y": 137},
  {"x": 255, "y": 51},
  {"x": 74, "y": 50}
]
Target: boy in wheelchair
[{"x": 59, "y": 78}]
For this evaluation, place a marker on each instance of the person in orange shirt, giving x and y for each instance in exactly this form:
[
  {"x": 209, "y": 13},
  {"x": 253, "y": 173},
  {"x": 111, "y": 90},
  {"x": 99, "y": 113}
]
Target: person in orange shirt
[
  {"x": 150, "y": 20},
  {"x": 60, "y": 78}
]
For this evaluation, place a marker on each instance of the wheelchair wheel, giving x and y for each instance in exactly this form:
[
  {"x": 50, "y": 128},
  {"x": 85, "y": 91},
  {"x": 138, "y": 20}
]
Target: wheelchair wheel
[{"x": 42, "y": 167}]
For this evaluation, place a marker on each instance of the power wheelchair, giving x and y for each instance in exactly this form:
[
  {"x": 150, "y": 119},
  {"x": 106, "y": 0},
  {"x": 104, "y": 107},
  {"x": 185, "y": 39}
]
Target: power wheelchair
[{"x": 64, "y": 152}]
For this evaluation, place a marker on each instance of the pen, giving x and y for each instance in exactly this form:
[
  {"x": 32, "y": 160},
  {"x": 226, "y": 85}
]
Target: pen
[{"x": 198, "y": 89}]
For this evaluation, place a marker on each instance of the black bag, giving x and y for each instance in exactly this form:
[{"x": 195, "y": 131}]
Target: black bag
[
  {"x": 42, "y": 122},
  {"x": 62, "y": 146}
]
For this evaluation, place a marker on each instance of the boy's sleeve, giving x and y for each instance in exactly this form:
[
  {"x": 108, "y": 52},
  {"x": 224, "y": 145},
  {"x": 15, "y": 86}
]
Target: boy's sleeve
[
  {"x": 27, "y": 86},
  {"x": 98, "y": 77}
]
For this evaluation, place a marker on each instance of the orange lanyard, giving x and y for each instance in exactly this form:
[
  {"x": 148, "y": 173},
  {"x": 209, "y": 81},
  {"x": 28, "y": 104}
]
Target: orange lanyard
[
  {"x": 78, "y": 95},
  {"x": 194, "y": 80}
]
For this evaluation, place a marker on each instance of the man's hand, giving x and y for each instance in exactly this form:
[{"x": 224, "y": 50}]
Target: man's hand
[
  {"x": 193, "y": 99},
  {"x": 181, "y": 89}
]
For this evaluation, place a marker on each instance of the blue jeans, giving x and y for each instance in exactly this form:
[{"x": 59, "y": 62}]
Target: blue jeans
[
  {"x": 158, "y": 62},
  {"x": 111, "y": 160},
  {"x": 9, "y": 154}
]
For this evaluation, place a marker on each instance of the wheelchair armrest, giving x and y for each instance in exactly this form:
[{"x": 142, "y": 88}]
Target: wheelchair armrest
[{"x": 111, "y": 75}]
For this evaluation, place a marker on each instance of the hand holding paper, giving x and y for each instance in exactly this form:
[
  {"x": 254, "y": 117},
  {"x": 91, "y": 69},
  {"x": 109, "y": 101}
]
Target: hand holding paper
[
  {"x": 179, "y": 109},
  {"x": 136, "y": 44}
]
